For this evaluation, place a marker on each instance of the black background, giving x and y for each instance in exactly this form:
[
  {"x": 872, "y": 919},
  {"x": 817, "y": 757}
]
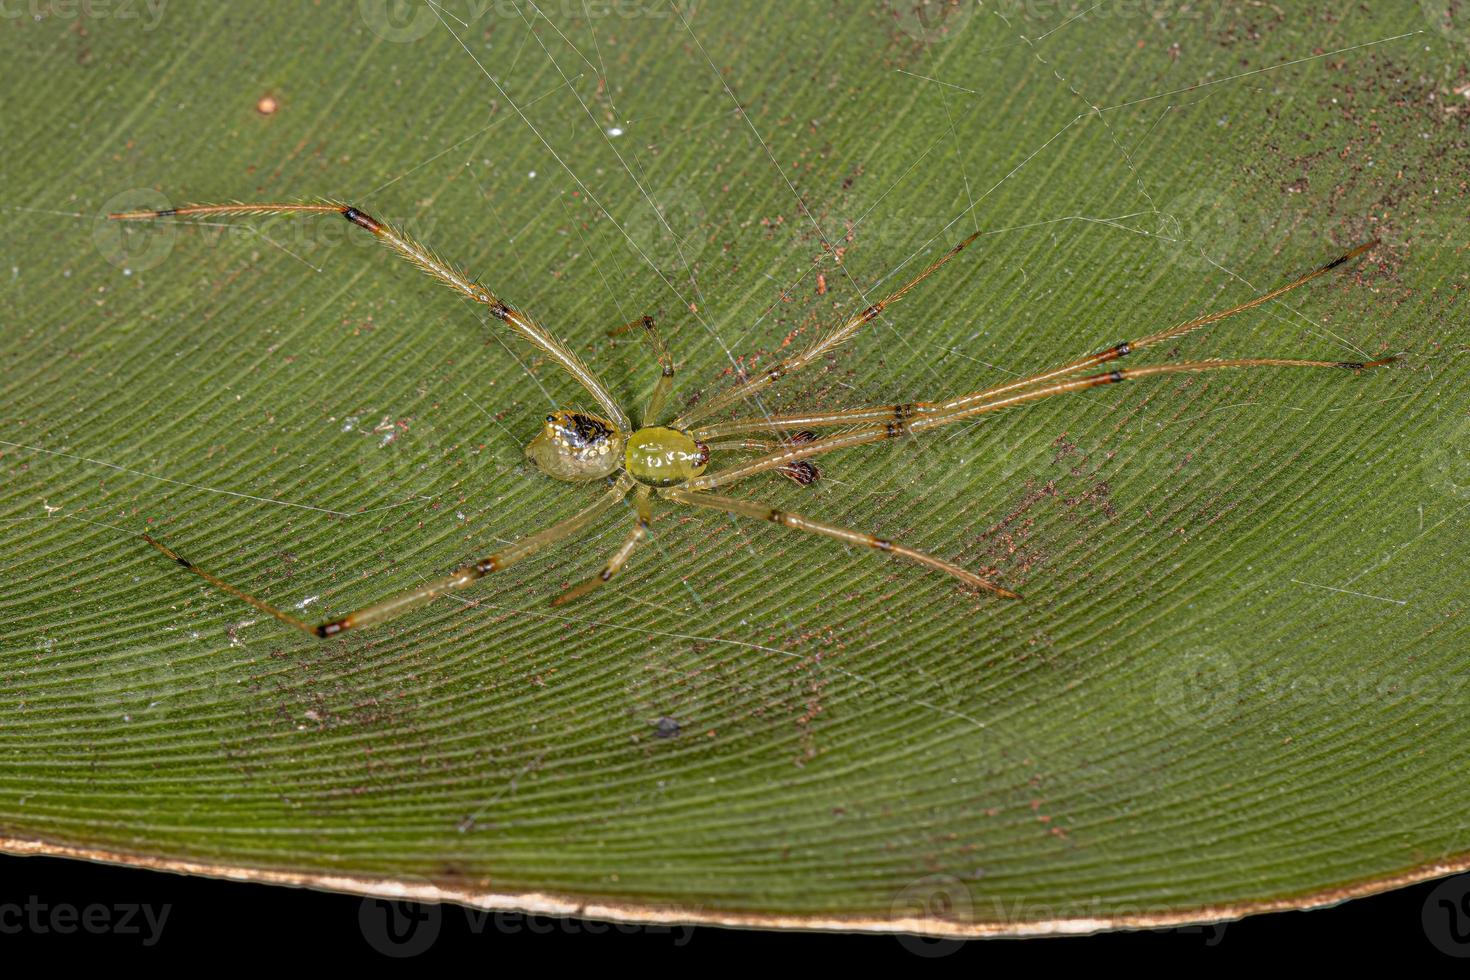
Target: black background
[{"x": 209, "y": 921}]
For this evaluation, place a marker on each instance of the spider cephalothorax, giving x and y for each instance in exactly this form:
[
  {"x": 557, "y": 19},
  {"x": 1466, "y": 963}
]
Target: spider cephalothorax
[
  {"x": 667, "y": 463},
  {"x": 658, "y": 456}
]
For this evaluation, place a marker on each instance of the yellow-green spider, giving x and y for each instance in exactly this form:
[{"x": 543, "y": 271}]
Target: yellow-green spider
[{"x": 670, "y": 461}]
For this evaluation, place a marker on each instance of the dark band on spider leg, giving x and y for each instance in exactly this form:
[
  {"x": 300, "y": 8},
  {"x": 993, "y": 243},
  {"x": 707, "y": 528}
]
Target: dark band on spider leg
[
  {"x": 135, "y": 215},
  {"x": 169, "y": 553},
  {"x": 361, "y": 220},
  {"x": 483, "y": 568},
  {"x": 1336, "y": 262},
  {"x": 872, "y": 311},
  {"x": 500, "y": 311},
  {"x": 1357, "y": 367},
  {"x": 1115, "y": 376},
  {"x": 1350, "y": 255},
  {"x": 895, "y": 430},
  {"x": 776, "y": 517},
  {"x": 882, "y": 544}
]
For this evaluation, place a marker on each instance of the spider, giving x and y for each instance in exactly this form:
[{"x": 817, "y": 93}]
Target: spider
[{"x": 670, "y": 461}]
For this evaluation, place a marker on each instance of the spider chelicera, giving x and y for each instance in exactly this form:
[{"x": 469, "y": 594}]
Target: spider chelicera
[{"x": 670, "y": 462}]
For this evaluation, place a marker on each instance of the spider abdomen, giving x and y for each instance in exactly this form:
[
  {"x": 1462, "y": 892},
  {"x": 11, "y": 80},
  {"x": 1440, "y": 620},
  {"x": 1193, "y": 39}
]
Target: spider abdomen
[
  {"x": 576, "y": 446},
  {"x": 663, "y": 457}
]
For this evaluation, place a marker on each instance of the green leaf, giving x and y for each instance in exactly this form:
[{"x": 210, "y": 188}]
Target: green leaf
[{"x": 1237, "y": 681}]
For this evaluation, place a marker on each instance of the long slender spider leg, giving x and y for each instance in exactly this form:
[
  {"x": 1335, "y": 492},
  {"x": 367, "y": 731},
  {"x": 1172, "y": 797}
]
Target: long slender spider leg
[
  {"x": 965, "y": 408},
  {"x": 665, "y": 383},
  {"x": 802, "y": 472},
  {"x": 744, "y": 445},
  {"x": 401, "y": 602},
  {"x": 620, "y": 557},
  {"x": 878, "y": 414},
  {"x": 823, "y": 344},
  {"x": 429, "y": 263},
  {"x": 749, "y": 508},
  {"x": 1189, "y": 326}
]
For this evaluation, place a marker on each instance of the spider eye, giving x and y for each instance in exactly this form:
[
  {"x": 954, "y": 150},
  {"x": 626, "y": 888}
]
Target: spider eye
[{"x": 551, "y": 420}]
